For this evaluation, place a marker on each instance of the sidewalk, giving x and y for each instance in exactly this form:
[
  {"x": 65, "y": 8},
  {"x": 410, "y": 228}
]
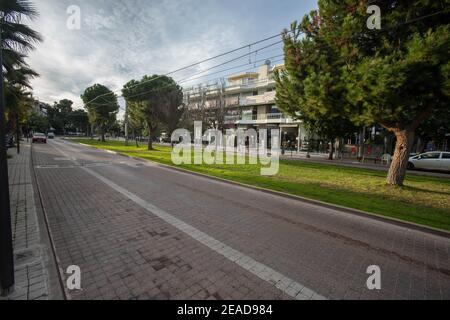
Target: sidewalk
[{"x": 32, "y": 255}]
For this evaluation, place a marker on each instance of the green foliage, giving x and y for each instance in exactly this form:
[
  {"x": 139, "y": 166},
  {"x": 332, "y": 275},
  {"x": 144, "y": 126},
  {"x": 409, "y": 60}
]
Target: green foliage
[
  {"x": 17, "y": 40},
  {"x": 58, "y": 115},
  {"x": 310, "y": 88},
  {"x": 397, "y": 77},
  {"x": 38, "y": 123},
  {"x": 101, "y": 105},
  {"x": 395, "y": 89},
  {"x": 151, "y": 102},
  {"x": 78, "y": 120},
  {"x": 63, "y": 118}
]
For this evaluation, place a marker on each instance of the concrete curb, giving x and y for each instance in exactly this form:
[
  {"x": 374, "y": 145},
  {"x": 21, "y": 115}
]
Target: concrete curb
[
  {"x": 394, "y": 221},
  {"x": 58, "y": 264}
]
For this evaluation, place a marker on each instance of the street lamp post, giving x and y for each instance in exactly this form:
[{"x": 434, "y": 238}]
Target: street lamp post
[{"x": 6, "y": 248}]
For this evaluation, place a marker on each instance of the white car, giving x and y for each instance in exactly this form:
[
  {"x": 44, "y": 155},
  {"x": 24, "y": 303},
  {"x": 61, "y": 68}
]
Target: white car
[
  {"x": 435, "y": 160},
  {"x": 51, "y": 135}
]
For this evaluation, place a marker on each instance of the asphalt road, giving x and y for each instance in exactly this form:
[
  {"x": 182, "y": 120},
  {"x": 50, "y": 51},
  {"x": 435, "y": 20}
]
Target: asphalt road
[{"x": 142, "y": 231}]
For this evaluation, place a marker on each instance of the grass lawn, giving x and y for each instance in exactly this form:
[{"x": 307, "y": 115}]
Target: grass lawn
[{"x": 423, "y": 200}]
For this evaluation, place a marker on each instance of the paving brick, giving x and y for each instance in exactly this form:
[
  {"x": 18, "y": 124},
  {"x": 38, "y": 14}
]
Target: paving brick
[{"x": 321, "y": 249}]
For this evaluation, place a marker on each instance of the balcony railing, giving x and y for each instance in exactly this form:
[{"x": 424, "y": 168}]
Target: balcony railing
[
  {"x": 268, "y": 97},
  {"x": 232, "y": 119},
  {"x": 258, "y": 119},
  {"x": 250, "y": 84}
]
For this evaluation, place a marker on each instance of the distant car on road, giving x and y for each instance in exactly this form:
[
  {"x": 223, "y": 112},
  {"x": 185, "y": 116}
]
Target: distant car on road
[
  {"x": 39, "y": 137},
  {"x": 51, "y": 135},
  {"x": 435, "y": 160}
]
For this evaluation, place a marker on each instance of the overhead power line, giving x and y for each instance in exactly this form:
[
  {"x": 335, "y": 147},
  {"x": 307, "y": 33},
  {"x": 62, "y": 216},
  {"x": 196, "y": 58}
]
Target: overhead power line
[
  {"x": 173, "y": 86},
  {"x": 209, "y": 59},
  {"x": 253, "y": 52},
  {"x": 194, "y": 76}
]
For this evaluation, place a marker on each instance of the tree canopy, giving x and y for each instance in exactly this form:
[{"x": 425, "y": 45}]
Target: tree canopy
[
  {"x": 102, "y": 107},
  {"x": 397, "y": 77},
  {"x": 151, "y": 101}
]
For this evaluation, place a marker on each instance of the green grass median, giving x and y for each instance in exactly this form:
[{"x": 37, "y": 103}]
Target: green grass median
[{"x": 423, "y": 200}]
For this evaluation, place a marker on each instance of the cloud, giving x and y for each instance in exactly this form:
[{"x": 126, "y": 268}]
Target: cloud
[{"x": 124, "y": 39}]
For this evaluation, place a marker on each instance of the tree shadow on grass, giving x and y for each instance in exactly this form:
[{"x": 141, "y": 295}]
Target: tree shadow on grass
[
  {"x": 365, "y": 201},
  {"x": 410, "y": 188}
]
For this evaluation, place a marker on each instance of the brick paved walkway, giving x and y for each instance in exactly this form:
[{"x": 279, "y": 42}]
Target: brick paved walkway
[
  {"x": 124, "y": 253},
  {"x": 34, "y": 280}
]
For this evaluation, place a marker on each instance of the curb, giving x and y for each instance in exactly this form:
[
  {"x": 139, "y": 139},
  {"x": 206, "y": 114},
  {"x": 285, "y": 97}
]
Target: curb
[
  {"x": 394, "y": 221},
  {"x": 58, "y": 264}
]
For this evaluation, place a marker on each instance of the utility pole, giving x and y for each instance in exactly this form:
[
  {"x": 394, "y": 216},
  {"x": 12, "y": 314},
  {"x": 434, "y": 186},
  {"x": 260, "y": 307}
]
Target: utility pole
[
  {"x": 6, "y": 248},
  {"x": 126, "y": 124},
  {"x": 17, "y": 132}
]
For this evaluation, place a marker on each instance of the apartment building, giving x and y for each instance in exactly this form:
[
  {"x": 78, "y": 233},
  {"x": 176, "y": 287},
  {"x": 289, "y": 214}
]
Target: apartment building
[
  {"x": 40, "y": 108},
  {"x": 246, "y": 100}
]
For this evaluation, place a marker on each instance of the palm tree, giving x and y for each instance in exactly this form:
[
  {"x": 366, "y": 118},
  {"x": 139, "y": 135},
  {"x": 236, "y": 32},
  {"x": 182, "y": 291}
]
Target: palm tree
[
  {"x": 17, "y": 39},
  {"x": 17, "y": 36}
]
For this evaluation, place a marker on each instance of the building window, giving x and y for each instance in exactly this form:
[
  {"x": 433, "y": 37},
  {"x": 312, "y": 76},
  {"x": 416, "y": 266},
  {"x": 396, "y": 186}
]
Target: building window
[{"x": 274, "y": 109}]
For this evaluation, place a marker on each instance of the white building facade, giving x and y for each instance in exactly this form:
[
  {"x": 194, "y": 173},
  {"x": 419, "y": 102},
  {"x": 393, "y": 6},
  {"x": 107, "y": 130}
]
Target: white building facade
[{"x": 247, "y": 101}]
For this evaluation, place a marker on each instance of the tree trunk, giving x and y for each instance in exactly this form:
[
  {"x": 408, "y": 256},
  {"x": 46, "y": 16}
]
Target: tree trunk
[
  {"x": 103, "y": 135},
  {"x": 397, "y": 171},
  {"x": 420, "y": 145},
  {"x": 18, "y": 133},
  {"x": 330, "y": 155},
  {"x": 361, "y": 142},
  {"x": 150, "y": 141},
  {"x": 150, "y": 130}
]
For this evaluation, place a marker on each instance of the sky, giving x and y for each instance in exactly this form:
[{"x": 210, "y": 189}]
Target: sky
[{"x": 120, "y": 40}]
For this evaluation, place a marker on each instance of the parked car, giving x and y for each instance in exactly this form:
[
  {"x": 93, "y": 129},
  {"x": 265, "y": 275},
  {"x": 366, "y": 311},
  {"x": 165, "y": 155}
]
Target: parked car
[
  {"x": 435, "y": 160},
  {"x": 39, "y": 137},
  {"x": 51, "y": 135}
]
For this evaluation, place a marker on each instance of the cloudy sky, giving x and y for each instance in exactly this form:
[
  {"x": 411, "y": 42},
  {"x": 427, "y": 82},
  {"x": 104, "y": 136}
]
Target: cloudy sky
[{"x": 124, "y": 39}]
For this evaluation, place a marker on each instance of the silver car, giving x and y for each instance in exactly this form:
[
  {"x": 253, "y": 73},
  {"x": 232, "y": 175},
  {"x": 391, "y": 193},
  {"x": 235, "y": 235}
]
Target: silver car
[{"x": 435, "y": 160}]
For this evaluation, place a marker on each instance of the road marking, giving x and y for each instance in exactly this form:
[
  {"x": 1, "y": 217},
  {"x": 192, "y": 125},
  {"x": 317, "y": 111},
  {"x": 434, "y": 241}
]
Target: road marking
[
  {"x": 64, "y": 159},
  {"x": 283, "y": 283}
]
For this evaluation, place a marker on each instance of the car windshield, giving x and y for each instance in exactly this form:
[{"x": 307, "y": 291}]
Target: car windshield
[
  {"x": 434, "y": 155},
  {"x": 39, "y": 135}
]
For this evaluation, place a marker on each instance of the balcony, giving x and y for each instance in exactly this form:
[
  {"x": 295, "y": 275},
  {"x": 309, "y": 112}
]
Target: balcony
[
  {"x": 262, "y": 118},
  {"x": 232, "y": 102},
  {"x": 268, "y": 118},
  {"x": 249, "y": 85},
  {"x": 268, "y": 97},
  {"x": 232, "y": 119}
]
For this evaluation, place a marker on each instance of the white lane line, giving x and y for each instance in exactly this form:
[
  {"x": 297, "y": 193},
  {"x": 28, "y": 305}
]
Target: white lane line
[{"x": 285, "y": 284}]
